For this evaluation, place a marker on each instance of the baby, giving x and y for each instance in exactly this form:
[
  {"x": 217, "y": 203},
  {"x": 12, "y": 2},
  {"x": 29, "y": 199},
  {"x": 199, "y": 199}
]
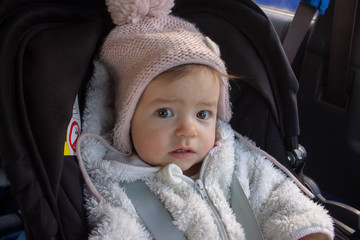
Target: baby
[
  {"x": 175, "y": 118},
  {"x": 165, "y": 108}
]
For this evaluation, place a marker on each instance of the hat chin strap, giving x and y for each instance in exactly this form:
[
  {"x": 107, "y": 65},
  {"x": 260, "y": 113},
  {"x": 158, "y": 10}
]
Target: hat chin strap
[{"x": 84, "y": 173}]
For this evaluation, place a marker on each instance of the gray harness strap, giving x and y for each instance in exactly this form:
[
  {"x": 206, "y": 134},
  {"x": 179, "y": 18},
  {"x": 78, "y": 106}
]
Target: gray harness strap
[
  {"x": 155, "y": 217},
  {"x": 243, "y": 211},
  {"x": 159, "y": 222}
]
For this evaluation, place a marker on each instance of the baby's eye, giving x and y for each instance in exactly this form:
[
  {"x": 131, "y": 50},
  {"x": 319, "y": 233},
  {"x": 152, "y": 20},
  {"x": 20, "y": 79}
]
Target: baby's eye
[
  {"x": 203, "y": 114},
  {"x": 164, "y": 113}
]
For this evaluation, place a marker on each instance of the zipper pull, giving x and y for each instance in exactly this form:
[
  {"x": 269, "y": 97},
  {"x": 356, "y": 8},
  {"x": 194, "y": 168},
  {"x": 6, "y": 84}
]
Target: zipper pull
[{"x": 201, "y": 189}]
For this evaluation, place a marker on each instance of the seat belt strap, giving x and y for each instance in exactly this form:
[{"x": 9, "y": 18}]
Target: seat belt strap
[
  {"x": 159, "y": 222},
  {"x": 155, "y": 217},
  {"x": 243, "y": 211},
  {"x": 340, "y": 50},
  {"x": 297, "y": 29}
]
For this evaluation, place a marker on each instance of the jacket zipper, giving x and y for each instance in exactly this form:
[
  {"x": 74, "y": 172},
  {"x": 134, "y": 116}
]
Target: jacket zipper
[{"x": 200, "y": 187}]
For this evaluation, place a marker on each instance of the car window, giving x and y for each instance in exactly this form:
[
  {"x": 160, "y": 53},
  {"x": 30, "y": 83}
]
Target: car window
[{"x": 286, "y": 5}]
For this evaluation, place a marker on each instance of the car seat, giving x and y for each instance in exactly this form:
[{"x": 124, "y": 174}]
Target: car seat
[
  {"x": 46, "y": 60},
  {"x": 328, "y": 104},
  {"x": 47, "y": 50}
]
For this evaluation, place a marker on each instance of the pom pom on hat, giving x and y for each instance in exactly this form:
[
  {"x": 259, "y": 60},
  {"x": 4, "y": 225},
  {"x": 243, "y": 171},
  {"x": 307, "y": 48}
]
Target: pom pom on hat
[{"x": 133, "y": 11}]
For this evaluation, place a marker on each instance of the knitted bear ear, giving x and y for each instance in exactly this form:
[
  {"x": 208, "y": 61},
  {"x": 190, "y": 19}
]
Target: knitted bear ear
[
  {"x": 213, "y": 46},
  {"x": 132, "y": 11}
]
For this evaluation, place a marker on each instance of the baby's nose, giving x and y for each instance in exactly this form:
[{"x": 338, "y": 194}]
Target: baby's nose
[{"x": 186, "y": 128}]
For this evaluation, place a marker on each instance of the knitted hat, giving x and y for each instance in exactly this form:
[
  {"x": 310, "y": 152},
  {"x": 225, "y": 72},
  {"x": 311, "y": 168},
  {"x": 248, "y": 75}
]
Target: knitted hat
[{"x": 146, "y": 42}]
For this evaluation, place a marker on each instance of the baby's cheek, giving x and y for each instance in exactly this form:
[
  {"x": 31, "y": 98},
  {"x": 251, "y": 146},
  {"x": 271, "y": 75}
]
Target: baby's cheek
[
  {"x": 156, "y": 149},
  {"x": 149, "y": 151},
  {"x": 208, "y": 144}
]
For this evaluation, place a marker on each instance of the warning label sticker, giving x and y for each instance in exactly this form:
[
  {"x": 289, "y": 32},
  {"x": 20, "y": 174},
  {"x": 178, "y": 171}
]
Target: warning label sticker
[{"x": 73, "y": 131}]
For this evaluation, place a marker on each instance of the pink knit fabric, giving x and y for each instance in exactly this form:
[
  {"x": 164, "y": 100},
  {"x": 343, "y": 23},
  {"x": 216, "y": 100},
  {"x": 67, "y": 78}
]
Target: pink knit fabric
[{"x": 137, "y": 53}]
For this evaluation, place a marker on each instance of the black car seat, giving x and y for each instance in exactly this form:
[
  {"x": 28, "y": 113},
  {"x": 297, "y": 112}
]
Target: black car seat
[
  {"x": 327, "y": 68},
  {"x": 46, "y": 54},
  {"x": 47, "y": 50}
]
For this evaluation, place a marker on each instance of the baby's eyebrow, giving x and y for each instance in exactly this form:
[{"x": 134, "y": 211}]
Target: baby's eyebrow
[
  {"x": 208, "y": 104},
  {"x": 164, "y": 100}
]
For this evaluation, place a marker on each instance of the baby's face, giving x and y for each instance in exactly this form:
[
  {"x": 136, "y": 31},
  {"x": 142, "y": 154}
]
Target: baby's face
[{"x": 175, "y": 120}]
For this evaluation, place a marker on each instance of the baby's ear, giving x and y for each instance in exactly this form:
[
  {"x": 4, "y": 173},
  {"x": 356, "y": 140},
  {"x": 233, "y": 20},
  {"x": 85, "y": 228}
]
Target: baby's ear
[{"x": 213, "y": 46}]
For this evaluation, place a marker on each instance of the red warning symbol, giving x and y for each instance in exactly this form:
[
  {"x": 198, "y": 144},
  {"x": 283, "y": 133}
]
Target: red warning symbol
[{"x": 74, "y": 134}]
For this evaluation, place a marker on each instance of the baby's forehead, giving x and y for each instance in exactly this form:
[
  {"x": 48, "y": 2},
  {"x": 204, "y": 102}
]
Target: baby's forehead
[
  {"x": 202, "y": 88},
  {"x": 200, "y": 78},
  {"x": 186, "y": 69}
]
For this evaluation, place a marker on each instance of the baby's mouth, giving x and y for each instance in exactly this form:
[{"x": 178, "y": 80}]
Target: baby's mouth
[{"x": 181, "y": 151}]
